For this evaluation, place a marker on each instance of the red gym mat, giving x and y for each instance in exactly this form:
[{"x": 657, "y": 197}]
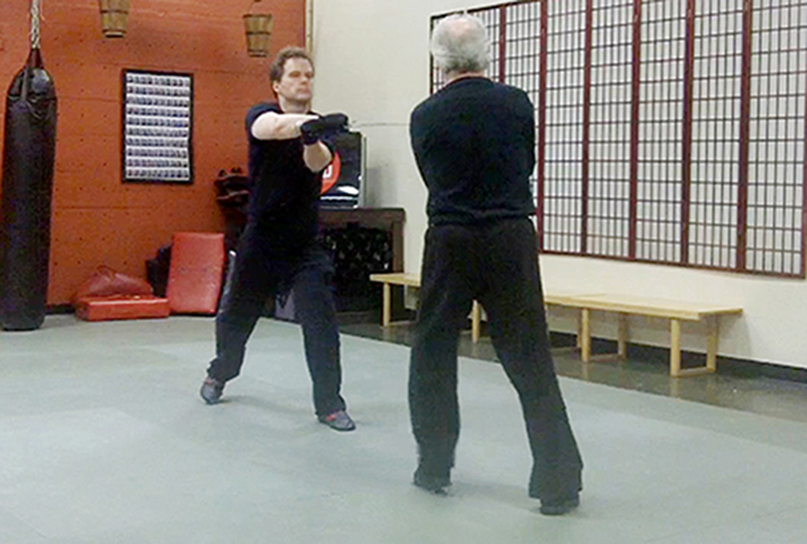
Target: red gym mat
[
  {"x": 121, "y": 307},
  {"x": 195, "y": 276}
]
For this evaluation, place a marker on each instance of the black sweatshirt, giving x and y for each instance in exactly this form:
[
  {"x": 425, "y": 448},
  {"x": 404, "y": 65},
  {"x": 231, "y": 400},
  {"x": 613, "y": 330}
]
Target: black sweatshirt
[{"x": 474, "y": 143}]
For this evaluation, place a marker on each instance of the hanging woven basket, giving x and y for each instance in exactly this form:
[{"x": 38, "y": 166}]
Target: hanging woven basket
[
  {"x": 114, "y": 15},
  {"x": 258, "y": 27}
]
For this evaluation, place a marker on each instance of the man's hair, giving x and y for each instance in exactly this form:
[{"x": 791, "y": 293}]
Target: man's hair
[
  {"x": 460, "y": 44},
  {"x": 279, "y": 64}
]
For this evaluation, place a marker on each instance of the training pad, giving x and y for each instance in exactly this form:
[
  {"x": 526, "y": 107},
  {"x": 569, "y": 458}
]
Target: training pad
[{"x": 195, "y": 276}]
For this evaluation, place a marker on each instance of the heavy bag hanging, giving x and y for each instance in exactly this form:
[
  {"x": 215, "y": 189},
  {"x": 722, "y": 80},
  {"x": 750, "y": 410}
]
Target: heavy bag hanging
[{"x": 28, "y": 156}]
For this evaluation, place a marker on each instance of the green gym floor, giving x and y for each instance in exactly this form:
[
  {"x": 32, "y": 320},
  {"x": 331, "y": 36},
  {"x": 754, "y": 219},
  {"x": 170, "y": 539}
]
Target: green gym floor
[{"x": 103, "y": 439}]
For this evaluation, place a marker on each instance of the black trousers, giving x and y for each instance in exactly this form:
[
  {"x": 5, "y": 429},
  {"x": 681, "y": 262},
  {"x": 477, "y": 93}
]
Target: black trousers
[
  {"x": 265, "y": 267},
  {"x": 497, "y": 265}
]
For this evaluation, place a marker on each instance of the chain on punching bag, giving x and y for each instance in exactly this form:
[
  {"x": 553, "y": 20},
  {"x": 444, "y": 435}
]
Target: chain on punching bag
[{"x": 29, "y": 151}]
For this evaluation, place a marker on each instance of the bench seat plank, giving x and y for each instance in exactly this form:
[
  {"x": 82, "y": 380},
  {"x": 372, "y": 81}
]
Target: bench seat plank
[{"x": 650, "y": 306}]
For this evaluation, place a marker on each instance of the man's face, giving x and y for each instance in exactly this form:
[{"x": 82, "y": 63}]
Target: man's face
[{"x": 295, "y": 84}]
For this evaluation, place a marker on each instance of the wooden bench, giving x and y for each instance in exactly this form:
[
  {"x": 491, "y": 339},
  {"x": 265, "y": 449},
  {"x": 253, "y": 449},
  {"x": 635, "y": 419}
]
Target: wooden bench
[
  {"x": 413, "y": 280},
  {"x": 675, "y": 311},
  {"x": 623, "y": 305}
]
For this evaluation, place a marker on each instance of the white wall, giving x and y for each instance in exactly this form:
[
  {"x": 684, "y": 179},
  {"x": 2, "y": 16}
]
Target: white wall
[{"x": 373, "y": 64}]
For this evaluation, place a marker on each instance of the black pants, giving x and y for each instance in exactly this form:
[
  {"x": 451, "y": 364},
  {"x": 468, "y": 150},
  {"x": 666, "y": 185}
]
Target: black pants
[
  {"x": 264, "y": 268},
  {"x": 497, "y": 265}
]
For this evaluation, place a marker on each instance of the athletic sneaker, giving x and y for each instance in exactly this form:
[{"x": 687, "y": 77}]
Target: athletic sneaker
[
  {"x": 211, "y": 390},
  {"x": 338, "y": 421}
]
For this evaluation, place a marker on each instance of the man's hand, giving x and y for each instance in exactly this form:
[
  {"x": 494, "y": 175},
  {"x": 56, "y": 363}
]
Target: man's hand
[{"x": 322, "y": 127}]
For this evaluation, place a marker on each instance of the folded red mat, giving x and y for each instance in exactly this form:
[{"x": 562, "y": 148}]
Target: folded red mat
[
  {"x": 121, "y": 307},
  {"x": 195, "y": 276}
]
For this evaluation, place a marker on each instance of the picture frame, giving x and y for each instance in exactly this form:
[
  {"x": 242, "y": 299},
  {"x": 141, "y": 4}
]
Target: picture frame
[{"x": 157, "y": 127}]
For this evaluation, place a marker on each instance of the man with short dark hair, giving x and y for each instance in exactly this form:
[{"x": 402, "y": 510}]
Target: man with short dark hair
[
  {"x": 474, "y": 142},
  {"x": 289, "y": 147}
]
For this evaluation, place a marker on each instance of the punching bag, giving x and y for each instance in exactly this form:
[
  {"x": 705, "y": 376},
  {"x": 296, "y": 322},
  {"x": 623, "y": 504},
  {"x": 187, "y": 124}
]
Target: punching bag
[{"x": 28, "y": 155}]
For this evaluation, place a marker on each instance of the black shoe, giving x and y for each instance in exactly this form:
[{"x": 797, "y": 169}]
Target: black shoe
[
  {"x": 560, "y": 506},
  {"x": 556, "y": 495},
  {"x": 211, "y": 390},
  {"x": 433, "y": 483},
  {"x": 435, "y": 461},
  {"x": 339, "y": 421}
]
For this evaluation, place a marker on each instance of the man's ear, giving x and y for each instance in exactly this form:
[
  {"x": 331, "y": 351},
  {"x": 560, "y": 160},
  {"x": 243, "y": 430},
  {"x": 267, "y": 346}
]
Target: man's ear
[{"x": 275, "y": 85}]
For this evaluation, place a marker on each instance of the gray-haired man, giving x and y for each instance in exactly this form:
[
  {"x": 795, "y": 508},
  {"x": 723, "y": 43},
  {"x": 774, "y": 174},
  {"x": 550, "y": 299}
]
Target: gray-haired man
[{"x": 474, "y": 142}]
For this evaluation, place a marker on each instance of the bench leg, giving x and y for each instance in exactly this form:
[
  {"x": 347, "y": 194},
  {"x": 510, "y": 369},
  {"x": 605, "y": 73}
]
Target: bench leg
[
  {"x": 476, "y": 317},
  {"x": 386, "y": 312},
  {"x": 622, "y": 339},
  {"x": 712, "y": 334},
  {"x": 585, "y": 335},
  {"x": 675, "y": 348},
  {"x": 578, "y": 342}
]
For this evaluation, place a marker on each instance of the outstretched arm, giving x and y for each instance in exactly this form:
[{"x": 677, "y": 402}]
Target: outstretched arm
[
  {"x": 279, "y": 126},
  {"x": 286, "y": 126}
]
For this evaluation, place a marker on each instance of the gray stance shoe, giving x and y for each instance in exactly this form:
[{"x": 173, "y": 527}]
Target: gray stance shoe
[
  {"x": 211, "y": 390},
  {"x": 338, "y": 421}
]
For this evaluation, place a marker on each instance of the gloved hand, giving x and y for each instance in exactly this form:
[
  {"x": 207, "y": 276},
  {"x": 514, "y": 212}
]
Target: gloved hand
[{"x": 327, "y": 125}]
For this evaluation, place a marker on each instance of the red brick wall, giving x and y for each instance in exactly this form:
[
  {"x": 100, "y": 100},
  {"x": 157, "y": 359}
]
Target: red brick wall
[{"x": 96, "y": 218}]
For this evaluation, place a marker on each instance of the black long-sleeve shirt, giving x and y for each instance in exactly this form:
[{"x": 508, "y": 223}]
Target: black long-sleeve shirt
[{"x": 474, "y": 143}]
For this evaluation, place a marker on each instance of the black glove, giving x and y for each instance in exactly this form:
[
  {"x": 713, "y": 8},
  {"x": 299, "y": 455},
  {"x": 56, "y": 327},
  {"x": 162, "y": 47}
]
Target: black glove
[{"x": 321, "y": 127}]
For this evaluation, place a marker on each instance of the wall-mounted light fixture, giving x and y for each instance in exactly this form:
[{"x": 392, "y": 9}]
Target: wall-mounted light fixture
[
  {"x": 258, "y": 27},
  {"x": 114, "y": 14}
]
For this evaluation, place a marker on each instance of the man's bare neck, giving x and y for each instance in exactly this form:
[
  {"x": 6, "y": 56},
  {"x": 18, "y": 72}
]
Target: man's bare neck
[{"x": 292, "y": 106}]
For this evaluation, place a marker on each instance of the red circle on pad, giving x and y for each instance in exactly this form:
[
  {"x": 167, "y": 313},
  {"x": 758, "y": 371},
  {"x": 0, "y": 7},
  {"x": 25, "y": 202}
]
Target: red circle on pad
[{"x": 331, "y": 174}]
